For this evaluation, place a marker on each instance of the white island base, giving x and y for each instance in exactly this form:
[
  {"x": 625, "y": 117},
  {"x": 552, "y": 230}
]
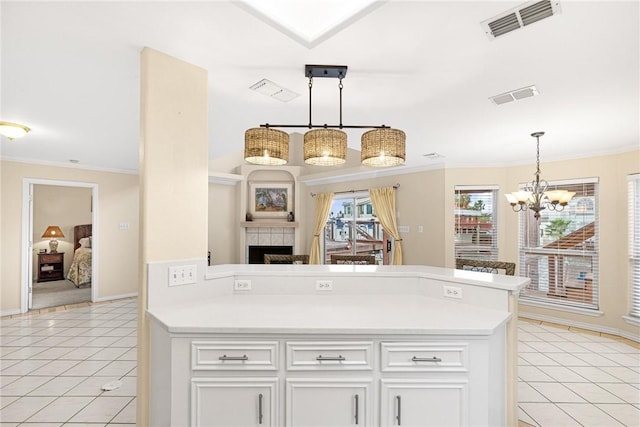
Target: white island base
[{"x": 383, "y": 348}]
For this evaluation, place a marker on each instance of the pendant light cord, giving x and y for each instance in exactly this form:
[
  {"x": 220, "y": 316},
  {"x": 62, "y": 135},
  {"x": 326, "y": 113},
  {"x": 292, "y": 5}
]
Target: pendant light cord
[{"x": 340, "y": 85}]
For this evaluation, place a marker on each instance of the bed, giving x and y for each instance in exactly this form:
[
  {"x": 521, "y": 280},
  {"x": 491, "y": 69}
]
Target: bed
[{"x": 80, "y": 271}]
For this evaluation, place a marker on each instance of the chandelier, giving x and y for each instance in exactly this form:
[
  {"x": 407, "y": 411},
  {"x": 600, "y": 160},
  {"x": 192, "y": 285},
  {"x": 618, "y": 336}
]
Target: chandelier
[
  {"x": 325, "y": 145},
  {"x": 535, "y": 195}
]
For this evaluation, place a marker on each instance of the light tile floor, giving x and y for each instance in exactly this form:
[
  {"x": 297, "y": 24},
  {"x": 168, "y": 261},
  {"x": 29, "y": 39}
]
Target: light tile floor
[
  {"x": 570, "y": 377},
  {"x": 54, "y": 363}
]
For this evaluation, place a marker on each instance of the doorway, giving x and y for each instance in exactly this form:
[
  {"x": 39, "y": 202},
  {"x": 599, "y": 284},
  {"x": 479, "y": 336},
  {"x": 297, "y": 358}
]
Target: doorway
[{"x": 53, "y": 214}]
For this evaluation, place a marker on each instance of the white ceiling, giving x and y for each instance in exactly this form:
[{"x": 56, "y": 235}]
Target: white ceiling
[{"x": 70, "y": 71}]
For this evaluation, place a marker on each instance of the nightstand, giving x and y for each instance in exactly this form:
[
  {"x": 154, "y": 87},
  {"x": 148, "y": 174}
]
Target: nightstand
[{"x": 50, "y": 267}]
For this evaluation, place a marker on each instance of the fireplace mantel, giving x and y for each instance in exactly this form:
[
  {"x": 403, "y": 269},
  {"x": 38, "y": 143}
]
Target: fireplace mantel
[{"x": 254, "y": 224}]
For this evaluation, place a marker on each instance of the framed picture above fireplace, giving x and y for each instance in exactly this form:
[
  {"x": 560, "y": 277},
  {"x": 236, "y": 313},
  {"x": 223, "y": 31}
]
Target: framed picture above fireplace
[{"x": 270, "y": 199}]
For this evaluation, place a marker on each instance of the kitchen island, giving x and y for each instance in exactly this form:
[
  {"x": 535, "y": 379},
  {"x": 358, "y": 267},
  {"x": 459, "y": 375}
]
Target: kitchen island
[{"x": 302, "y": 345}]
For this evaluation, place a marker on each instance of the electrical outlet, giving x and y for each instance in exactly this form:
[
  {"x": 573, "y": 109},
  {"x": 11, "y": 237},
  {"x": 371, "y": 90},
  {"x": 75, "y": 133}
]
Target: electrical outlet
[
  {"x": 324, "y": 285},
  {"x": 452, "y": 291},
  {"x": 182, "y": 275},
  {"x": 242, "y": 285}
]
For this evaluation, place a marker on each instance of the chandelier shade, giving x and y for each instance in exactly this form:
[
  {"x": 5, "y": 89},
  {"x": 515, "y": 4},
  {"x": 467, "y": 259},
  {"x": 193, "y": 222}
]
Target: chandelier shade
[
  {"x": 383, "y": 147},
  {"x": 535, "y": 195},
  {"x": 266, "y": 146},
  {"x": 325, "y": 147}
]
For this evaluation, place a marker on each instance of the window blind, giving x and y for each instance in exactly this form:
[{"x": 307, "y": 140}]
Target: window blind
[
  {"x": 476, "y": 226},
  {"x": 559, "y": 252},
  {"x": 634, "y": 241}
]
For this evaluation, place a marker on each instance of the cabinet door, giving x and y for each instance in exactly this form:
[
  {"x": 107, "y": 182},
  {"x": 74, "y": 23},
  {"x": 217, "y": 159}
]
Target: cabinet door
[
  {"x": 233, "y": 402},
  {"x": 322, "y": 403},
  {"x": 423, "y": 403}
]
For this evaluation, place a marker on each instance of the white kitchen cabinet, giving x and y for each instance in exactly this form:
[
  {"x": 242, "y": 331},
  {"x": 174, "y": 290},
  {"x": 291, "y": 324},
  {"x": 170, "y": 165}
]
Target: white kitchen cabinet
[
  {"x": 424, "y": 403},
  {"x": 324, "y": 402},
  {"x": 323, "y": 359},
  {"x": 234, "y": 402}
]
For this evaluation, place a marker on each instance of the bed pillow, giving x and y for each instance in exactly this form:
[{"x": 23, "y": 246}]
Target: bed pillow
[{"x": 85, "y": 242}]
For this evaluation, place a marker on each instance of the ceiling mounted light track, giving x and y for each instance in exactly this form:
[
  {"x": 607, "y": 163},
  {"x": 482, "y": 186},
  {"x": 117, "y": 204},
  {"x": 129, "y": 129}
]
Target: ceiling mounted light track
[{"x": 325, "y": 145}]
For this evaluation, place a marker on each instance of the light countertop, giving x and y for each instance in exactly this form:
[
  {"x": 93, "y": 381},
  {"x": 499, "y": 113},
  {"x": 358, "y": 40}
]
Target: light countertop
[
  {"x": 496, "y": 281},
  {"x": 329, "y": 314}
]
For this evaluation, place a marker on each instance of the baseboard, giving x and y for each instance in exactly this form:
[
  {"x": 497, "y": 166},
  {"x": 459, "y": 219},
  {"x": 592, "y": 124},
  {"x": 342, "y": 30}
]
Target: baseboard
[
  {"x": 582, "y": 325},
  {"x": 114, "y": 297},
  {"x": 10, "y": 312}
]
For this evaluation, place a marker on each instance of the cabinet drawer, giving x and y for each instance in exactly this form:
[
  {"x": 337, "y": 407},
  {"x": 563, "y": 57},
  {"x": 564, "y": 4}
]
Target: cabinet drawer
[
  {"x": 329, "y": 356},
  {"x": 46, "y": 258},
  {"x": 234, "y": 355},
  {"x": 424, "y": 356}
]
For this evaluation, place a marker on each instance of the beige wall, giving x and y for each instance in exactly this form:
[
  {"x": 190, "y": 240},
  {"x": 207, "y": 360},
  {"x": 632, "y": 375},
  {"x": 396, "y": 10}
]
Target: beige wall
[
  {"x": 117, "y": 202},
  {"x": 224, "y": 223},
  {"x": 65, "y": 207},
  {"x": 174, "y": 104},
  {"x": 173, "y": 181}
]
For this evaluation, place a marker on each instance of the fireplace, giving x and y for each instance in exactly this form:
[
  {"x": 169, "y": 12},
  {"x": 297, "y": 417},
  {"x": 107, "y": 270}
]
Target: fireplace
[{"x": 256, "y": 253}]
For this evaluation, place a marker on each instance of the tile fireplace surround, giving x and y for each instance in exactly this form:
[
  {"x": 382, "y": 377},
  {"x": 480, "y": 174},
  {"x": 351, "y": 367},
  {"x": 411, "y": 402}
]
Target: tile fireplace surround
[{"x": 269, "y": 236}]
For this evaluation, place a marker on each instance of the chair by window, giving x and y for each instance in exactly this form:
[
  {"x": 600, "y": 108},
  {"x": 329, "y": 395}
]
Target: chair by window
[
  {"x": 495, "y": 267},
  {"x": 353, "y": 259},
  {"x": 286, "y": 259}
]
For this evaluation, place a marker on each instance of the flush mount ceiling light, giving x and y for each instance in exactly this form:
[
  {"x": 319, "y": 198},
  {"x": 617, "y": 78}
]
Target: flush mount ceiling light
[
  {"x": 13, "y": 130},
  {"x": 535, "y": 196},
  {"x": 326, "y": 145}
]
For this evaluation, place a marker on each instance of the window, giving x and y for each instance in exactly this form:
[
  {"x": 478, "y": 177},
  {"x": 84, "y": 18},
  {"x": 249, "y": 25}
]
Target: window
[
  {"x": 559, "y": 252},
  {"x": 634, "y": 242},
  {"x": 476, "y": 234},
  {"x": 347, "y": 233}
]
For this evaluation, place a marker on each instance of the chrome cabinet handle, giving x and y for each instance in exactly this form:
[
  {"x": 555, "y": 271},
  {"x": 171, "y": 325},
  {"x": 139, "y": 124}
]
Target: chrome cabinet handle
[
  {"x": 426, "y": 359},
  {"x": 320, "y": 358},
  {"x": 399, "y": 409},
  {"x": 357, "y": 412},
  {"x": 260, "y": 415},
  {"x": 225, "y": 357}
]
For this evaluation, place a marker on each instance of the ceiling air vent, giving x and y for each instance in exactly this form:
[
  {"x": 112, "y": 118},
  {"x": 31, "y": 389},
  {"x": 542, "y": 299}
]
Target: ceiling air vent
[
  {"x": 518, "y": 17},
  {"x": 273, "y": 90},
  {"x": 514, "y": 95}
]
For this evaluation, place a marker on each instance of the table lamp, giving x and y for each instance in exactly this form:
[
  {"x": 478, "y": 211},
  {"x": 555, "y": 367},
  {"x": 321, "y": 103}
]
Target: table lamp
[{"x": 52, "y": 232}]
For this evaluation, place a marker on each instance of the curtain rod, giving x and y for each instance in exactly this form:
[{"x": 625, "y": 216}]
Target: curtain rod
[{"x": 395, "y": 187}]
